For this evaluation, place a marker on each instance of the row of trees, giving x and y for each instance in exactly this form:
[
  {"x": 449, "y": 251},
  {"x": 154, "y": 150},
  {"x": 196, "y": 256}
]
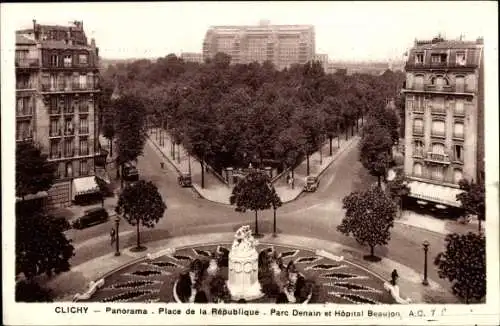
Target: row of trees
[{"x": 233, "y": 115}]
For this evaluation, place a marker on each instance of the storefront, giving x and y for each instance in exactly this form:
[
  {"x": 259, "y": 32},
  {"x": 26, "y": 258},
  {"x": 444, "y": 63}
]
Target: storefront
[
  {"x": 437, "y": 199},
  {"x": 85, "y": 190}
]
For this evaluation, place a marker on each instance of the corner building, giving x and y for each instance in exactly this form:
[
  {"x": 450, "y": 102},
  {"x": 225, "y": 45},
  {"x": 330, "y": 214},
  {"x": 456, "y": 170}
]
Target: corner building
[
  {"x": 444, "y": 112},
  {"x": 283, "y": 45},
  {"x": 57, "y": 85}
]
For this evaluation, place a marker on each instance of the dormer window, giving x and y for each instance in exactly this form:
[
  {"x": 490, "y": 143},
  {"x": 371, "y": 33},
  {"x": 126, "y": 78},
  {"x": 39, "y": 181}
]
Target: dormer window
[
  {"x": 419, "y": 58},
  {"x": 460, "y": 60},
  {"x": 438, "y": 58}
]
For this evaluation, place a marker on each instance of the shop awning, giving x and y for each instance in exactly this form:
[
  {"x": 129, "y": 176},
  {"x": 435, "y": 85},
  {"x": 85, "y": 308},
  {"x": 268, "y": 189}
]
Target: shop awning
[
  {"x": 85, "y": 185},
  {"x": 435, "y": 193},
  {"x": 38, "y": 195}
]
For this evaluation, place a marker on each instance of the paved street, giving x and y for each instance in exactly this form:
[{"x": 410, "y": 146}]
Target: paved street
[{"x": 311, "y": 215}]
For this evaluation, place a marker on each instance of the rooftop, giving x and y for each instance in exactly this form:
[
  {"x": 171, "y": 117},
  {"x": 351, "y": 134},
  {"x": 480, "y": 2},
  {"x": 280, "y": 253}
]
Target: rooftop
[{"x": 21, "y": 39}]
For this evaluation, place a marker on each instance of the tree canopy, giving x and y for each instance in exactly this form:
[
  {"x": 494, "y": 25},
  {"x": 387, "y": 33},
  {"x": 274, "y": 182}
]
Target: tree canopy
[
  {"x": 369, "y": 215},
  {"x": 255, "y": 192},
  {"x": 375, "y": 149},
  {"x": 141, "y": 203},
  {"x": 33, "y": 172},
  {"x": 463, "y": 263},
  {"x": 41, "y": 245},
  {"x": 233, "y": 114},
  {"x": 473, "y": 199}
]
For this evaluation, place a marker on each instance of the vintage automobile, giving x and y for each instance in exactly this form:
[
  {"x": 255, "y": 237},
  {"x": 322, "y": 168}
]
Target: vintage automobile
[
  {"x": 130, "y": 172},
  {"x": 184, "y": 180},
  {"x": 91, "y": 217},
  {"x": 311, "y": 183}
]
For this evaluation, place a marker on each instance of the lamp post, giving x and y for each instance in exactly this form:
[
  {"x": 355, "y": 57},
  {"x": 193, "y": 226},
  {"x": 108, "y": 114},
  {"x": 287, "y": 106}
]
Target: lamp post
[
  {"x": 117, "y": 226},
  {"x": 425, "y": 244}
]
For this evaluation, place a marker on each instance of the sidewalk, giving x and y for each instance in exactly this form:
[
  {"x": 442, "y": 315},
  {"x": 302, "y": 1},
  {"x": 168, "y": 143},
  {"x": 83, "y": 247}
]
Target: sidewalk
[
  {"x": 436, "y": 225},
  {"x": 216, "y": 188},
  {"x": 66, "y": 285}
]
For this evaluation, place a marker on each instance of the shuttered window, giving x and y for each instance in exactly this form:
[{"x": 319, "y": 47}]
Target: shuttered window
[
  {"x": 417, "y": 169},
  {"x": 438, "y": 128},
  {"x": 458, "y": 130}
]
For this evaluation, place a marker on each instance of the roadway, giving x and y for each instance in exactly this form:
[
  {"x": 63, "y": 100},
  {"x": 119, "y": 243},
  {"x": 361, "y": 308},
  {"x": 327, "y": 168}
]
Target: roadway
[{"x": 312, "y": 214}]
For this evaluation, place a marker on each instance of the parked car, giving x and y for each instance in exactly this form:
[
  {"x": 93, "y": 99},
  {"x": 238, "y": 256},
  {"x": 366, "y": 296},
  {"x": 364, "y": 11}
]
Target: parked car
[
  {"x": 185, "y": 180},
  {"x": 91, "y": 217},
  {"x": 311, "y": 183},
  {"x": 130, "y": 172}
]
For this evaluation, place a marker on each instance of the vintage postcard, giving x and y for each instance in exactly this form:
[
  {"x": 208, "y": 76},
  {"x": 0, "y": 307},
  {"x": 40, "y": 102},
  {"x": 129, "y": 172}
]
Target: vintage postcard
[{"x": 244, "y": 163}]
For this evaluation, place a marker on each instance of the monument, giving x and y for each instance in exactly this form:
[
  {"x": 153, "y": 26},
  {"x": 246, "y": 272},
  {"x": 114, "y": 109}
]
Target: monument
[{"x": 243, "y": 282}]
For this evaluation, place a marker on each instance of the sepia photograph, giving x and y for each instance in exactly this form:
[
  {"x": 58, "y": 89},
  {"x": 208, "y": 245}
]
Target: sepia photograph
[{"x": 250, "y": 163}]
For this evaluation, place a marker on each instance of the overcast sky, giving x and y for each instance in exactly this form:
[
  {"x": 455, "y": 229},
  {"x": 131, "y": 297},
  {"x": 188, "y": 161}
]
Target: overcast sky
[{"x": 344, "y": 30}]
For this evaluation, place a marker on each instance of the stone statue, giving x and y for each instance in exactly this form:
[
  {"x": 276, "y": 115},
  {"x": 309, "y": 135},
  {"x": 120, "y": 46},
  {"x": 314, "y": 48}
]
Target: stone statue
[{"x": 243, "y": 280}]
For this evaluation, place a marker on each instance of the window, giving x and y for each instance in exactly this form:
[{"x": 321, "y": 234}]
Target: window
[
  {"x": 458, "y": 153},
  {"x": 419, "y": 58},
  {"x": 69, "y": 127},
  {"x": 438, "y": 148},
  {"x": 82, "y": 59},
  {"x": 68, "y": 148},
  {"x": 84, "y": 167},
  {"x": 458, "y": 130},
  {"x": 23, "y": 130},
  {"x": 84, "y": 146},
  {"x": 83, "y": 81},
  {"x": 437, "y": 172},
  {"x": 419, "y": 82},
  {"x": 438, "y": 58},
  {"x": 418, "y": 126},
  {"x": 470, "y": 83},
  {"x": 459, "y": 84},
  {"x": 55, "y": 151},
  {"x": 69, "y": 170},
  {"x": 457, "y": 175},
  {"x": 54, "y": 60},
  {"x": 438, "y": 128},
  {"x": 76, "y": 81},
  {"x": 460, "y": 59},
  {"x": 54, "y": 128},
  {"x": 418, "y": 148},
  {"x": 417, "y": 169},
  {"x": 67, "y": 61},
  {"x": 45, "y": 82},
  {"x": 459, "y": 107},
  {"x": 84, "y": 125}
]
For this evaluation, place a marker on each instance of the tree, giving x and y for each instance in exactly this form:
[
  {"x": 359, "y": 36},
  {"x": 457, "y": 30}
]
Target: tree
[
  {"x": 131, "y": 135},
  {"x": 464, "y": 264},
  {"x": 369, "y": 216},
  {"x": 41, "y": 245},
  {"x": 255, "y": 192},
  {"x": 397, "y": 189},
  {"x": 33, "y": 172},
  {"x": 375, "y": 150},
  {"x": 276, "y": 203},
  {"x": 473, "y": 200},
  {"x": 141, "y": 203}
]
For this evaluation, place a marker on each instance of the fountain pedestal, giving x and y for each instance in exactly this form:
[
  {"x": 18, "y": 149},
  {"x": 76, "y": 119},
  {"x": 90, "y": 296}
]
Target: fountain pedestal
[{"x": 243, "y": 269}]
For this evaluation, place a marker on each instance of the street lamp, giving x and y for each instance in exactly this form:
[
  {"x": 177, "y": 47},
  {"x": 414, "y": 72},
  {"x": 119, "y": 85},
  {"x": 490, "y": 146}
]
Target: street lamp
[
  {"x": 425, "y": 244},
  {"x": 117, "y": 226}
]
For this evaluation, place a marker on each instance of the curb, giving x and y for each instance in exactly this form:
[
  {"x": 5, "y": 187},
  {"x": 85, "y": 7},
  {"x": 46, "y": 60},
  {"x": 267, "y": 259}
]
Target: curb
[
  {"x": 199, "y": 193},
  {"x": 268, "y": 242}
]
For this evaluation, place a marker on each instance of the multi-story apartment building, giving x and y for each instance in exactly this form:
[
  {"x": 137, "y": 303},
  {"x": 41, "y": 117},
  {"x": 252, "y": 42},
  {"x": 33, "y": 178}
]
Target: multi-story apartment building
[
  {"x": 444, "y": 111},
  {"x": 56, "y": 91},
  {"x": 283, "y": 45},
  {"x": 192, "y": 57}
]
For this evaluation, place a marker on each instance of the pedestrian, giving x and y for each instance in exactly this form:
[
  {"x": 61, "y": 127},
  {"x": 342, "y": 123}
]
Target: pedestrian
[
  {"x": 112, "y": 234},
  {"x": 394, "y": 277}
]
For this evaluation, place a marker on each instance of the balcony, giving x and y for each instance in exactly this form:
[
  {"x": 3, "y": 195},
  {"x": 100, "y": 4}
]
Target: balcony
[
  {"x": 56, "y": 111},
  {"x": 55, "y": 133},
  {"x": 70, "y": 111},
  {"x": 27, "y": 63},
  {"x": 83, "y": 109},
  {"x": 418, "y": 109},
  {"x": 24, "y": 86},
  {"x": 24, "y": 114},
  {"x": 437, "y": 158},
  {"x": 69, "y": 132},
  {"x": 69, "y": 153},
  {"x": 458, "y": 136},
  {"x": 55, "y": 156},
  {"x": 418, "y": 152},
  {"x": 83, "y": 131},
  {"x": 24, "y": 137}
]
